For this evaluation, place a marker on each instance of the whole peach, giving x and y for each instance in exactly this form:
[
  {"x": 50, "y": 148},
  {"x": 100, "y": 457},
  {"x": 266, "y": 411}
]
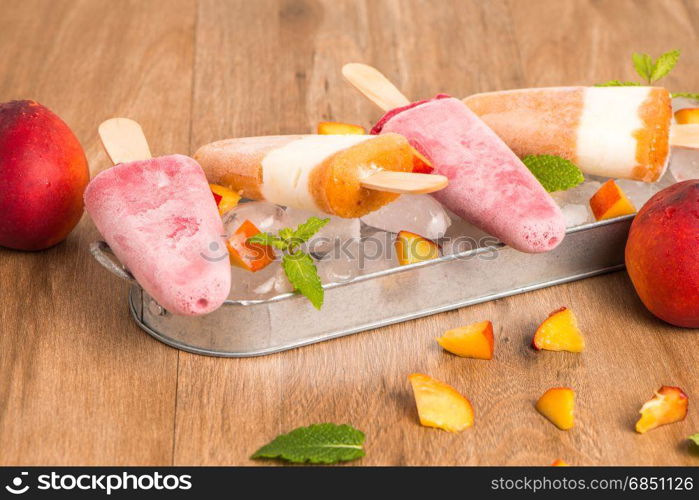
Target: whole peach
[
  {"x": 662, "y": 254},
  {"x": 43, "y": 173}
]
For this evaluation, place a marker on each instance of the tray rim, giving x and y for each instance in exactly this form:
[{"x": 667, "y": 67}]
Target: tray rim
[{"x": 349, "y": 331}]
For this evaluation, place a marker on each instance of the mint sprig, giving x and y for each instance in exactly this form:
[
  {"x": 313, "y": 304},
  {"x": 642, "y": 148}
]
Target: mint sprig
[
  {"x": 643, "y": 64},
  {"x": 553, "y": 172},
  {"x": 317, "y": 444},
  {"x": 617, "y": 83},
  {"x": 303, "y": 274},
  {"x": 298, "y": 266},
  {"x": 651, "y": 71}
]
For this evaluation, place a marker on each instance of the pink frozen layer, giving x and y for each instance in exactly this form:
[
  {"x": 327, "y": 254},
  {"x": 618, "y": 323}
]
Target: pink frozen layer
[
  {"x": 488, "y": 185},
  {"x": 161, "y": 221}
]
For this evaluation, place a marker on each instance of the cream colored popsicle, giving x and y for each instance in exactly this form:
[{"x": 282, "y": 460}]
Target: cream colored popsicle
[
  {"x": 319, "y": 173},
  {"x": 620, "y": 132}
]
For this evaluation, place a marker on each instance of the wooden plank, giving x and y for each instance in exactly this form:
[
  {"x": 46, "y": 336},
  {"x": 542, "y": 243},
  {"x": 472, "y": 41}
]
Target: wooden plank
[
  {"x": 274, "y": 67},
  {"x": 583, "y": 43},
  {"x": 81, "y": 384}
]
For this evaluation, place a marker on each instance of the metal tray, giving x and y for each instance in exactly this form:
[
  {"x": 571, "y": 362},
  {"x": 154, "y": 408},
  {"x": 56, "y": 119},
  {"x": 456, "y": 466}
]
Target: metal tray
[{"x": 255, "y": 328}]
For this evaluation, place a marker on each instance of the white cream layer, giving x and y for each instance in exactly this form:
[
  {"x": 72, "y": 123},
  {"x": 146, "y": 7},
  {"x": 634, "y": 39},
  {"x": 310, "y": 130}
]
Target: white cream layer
[
  {"x": 286, "y": 170},
  {"x": 605, "y": 143}
]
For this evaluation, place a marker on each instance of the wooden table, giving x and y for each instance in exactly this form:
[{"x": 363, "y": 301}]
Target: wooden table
[{"x": 82, "y": 384}]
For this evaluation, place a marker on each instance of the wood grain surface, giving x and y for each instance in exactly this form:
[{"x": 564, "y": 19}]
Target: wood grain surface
[{"x": 80, "y": 383}]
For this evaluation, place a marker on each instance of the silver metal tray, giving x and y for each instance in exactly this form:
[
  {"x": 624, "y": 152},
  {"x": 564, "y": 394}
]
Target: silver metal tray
[{"x": 255, "y": 328}]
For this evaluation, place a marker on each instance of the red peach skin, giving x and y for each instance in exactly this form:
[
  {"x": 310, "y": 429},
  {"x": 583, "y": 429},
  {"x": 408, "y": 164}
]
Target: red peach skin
[
  {"x": 43, "y": 174},
  {"x": 662, "y": 254}
]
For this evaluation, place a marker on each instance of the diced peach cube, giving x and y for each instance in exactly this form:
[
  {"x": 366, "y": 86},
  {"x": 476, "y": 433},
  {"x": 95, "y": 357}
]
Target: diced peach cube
[
  {"x": 412, "y": 248},
  {"x": 440, "y": 405},
  {"x": 226, "y": 199},
  {"x": 559, "y": 332},
  {"x": 471, "y": 341},
  {"x": 610, "y": 201},
  {"x": 558, "y": 405},
  {"x": 250, "y": 256},
  {"x": 687, "y": 115},
  {"x": 338, "y": 128},
  {"x": 668, "y": 405}
]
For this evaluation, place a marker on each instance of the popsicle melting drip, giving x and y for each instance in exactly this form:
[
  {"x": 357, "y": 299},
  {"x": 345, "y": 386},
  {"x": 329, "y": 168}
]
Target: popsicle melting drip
[
  {"x": 160, "y": 219},
  {"x": 488, "y": 185}
]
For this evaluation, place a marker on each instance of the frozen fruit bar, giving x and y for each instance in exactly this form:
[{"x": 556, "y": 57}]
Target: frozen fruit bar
[
  {"x": 620, "y": 132},
  {"x": 160, "y": 219},
  {"x": 319, "y": 173},
  {"x": 488, "y": 185}
]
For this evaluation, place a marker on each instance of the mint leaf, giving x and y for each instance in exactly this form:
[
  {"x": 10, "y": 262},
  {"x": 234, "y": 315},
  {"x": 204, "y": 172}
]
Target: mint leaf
[
  {"x": 309, "y": 228},
  {"x": 688, "y": 95},
  {"x": 268, "y": 239},
  {"x": 317, "y": 444},
  {"x": 286, "y": 234},
  {"x": 617, "y": 83},
  {"x": 694, "y": 438},
  {"x": 303, "y": 274},
  {"x": 664, "y": 64},
  {"x": 553, "y": 172},
  {"x": 643, "y": 64}
]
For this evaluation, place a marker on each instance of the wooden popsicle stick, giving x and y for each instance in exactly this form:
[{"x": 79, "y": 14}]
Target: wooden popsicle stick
[
  {"x": 404, "y": 182},
  {"x": 123, "y": 140},
  {"x": 379, "y": 90},
  {"x": 374, "y": 85},
  {"x": 685, "y": 136}
]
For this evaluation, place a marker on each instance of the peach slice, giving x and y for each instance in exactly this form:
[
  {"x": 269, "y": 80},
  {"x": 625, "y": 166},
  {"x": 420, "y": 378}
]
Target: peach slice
[
  {"x": 338, "y": 128},
  {"x": 687, "y": 115},
  {"x": 226, "y": 199},
  {"x": 560, "y": 463},
  {"x": 559, "y": 332},
  {"x": 558, "y": 405},
  {"x": 668, "y": 405},
  {"x": 412, "y": 248},
  {"x": 610, "y": 201},
  {"x": 440, "y": 405},
  {"x": 250, "y": 256},
  {"x": 471, "y": 341}
]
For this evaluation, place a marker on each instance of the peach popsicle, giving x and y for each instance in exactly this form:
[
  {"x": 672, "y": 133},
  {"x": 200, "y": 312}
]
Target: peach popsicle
[
  {"x": 161, "y": 221},
  {"x": 620, "y": 132},
  {"x": 488, "y": 185},
  {"x": 318, "y": 173}
]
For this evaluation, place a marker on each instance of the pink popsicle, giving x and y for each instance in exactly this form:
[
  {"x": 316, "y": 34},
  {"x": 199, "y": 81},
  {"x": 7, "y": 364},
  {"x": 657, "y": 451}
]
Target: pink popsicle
[
  {"x": 160, "y": 219},
  {"x": 488, "y": 185}
]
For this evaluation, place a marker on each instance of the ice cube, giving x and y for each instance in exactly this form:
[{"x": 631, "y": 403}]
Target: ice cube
[
  {"x": 684, "y": 164},
  {"x": 330, "y": 236},
  {"x": 266, "y": 283},
  {"x": 341, "y": 264},
  {"x": 376, "y": 252},
  {"x": 579, "y": 195},
  {"x": 683, "y": 102},
  {"x": 418, "y": 213},
  {"x": 577, "y": 215},
  {"x": 463, "y": 236},
  {"x": 267, "y": 217},
  {"x": 640, "y": 192}
]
